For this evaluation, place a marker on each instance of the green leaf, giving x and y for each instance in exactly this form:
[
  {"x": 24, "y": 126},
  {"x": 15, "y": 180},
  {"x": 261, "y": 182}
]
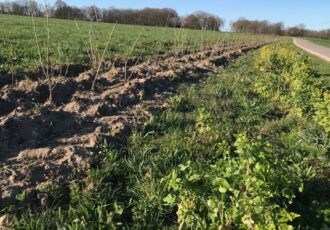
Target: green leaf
[
  {"x": 211, "y": 203},
  {"x": 222, "y": 190},
  {"x": 287, "y": 216},
  {"x": 20, "y": 196},
  {"x": 223, "y": 185},
  {"x": 285, "y": 227},
  {"x": 169, "y": 199},
  {"x": 183, "y": 167},
  {"x": 195, "y": 177}
]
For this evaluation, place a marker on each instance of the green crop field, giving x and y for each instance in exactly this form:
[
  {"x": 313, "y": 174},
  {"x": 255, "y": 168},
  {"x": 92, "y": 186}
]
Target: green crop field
[
  {"x": 70, "y": 41},
  {"x": 322, "y": 42},
  {"x": 323, "y": 69},
  {"x": 321, "y": 66}
]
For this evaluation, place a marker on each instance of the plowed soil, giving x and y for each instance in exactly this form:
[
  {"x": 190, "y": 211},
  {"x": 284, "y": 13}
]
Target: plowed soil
[{"x": 40, "y": 143}]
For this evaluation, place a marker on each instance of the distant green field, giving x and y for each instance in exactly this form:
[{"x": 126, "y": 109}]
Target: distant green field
[
  {"x": 322, "y": 42},
  {"x": 70, "y": 41},
  {"x": 322, "y": 67}
]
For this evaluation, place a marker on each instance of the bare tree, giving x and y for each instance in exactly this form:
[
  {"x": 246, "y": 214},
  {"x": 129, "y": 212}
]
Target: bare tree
[
  {"x": 191, "y": 22},
  {"x": 258, "y": 27},
  {"x": 202, "y": 20}
]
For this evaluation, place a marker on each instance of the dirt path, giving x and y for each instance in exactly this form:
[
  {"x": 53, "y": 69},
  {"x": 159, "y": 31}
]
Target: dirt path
[
  {"x": 40, "y": 144},
  {"x": 317, "y": 50}
]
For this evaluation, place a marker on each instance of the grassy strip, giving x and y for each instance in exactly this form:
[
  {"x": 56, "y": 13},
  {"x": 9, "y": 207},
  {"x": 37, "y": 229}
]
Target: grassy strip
[
  {"x": 322, "y": 42},
  {"x": 233, "y": 152},
  {"x": 323, "y": 69}
]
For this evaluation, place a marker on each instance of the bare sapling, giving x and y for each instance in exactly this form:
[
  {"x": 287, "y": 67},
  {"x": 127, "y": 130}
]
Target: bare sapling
[
  {"x": 99, "y": 59},
  {"x": 12, "y": 68},
  {"x": 12, "y": 77},
  {"x": 61, "y": 56},
  {"x": 45, "y": 67},
  {"x": 96, "y": 56},
  {"x": 240, "y": 41},
  {"x": 201, "y": 40},
  {"x": 218, "y": 43},
  {"x": 184, "y": 40},
  {"x": 46, "y": 64},
  {"x": 128, "y": 55},
  {"x": 81, "y": 39},
  {"x": 179, "y": 40},
  {"x": 48, "y": 76},
  {"x": 93, "y": 48},
  {"x": 213, "y": 42},
  {"x": 227, "y": 39},
  {"x": 175, "y": 38},
  {"x": 160, "y": 42}
]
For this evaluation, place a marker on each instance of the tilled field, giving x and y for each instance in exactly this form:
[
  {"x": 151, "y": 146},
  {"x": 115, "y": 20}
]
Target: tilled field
[{"x": 41, "y": 143}]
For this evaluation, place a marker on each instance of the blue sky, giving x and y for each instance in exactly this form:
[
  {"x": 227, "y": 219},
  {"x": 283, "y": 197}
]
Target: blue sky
[{"x": 315, "y": 14}]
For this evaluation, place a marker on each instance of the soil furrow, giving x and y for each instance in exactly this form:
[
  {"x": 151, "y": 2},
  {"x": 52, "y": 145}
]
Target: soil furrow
[{"x": 40, "y": 143}]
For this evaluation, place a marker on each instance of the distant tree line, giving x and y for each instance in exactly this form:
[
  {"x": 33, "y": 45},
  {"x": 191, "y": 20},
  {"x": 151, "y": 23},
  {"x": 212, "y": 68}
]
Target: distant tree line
[
  {"x": 148, "y": 16},
  {"x": 202, "y": 21},
  {"x": 165, "y": 17},
  {"x": 23, "y": 7},
  {"x": 257, "y": 27},
  {"x": 324, "y": 34},
  {"x": 265, "y": 27}
]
